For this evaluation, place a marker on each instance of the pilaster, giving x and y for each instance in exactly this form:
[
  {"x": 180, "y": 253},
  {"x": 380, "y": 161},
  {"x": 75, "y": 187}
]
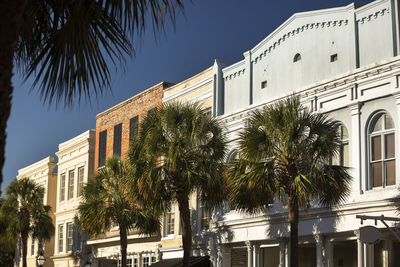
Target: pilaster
[
  {"x": 360, "y": 250},
  {"x": 282, "y": 251},
  {"x": 249, "y": 253},
  {"x": 355, "y": 146}
]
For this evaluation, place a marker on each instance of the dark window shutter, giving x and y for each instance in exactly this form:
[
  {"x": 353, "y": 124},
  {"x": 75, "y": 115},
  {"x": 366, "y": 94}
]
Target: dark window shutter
[
  {"x": 133, "y": 128},
  {"x": 117, "y": 140},
  {"x": 102, "y": 147}
]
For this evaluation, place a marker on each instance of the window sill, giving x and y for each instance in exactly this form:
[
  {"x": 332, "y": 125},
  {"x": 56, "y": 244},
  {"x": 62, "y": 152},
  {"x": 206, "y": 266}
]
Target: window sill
[{"x": 168, "y": 237}]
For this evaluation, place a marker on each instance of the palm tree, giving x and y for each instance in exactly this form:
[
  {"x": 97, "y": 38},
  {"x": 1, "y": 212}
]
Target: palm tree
[
  {"x": 285, "y": 152},
  {"x": 180, "y": 150},
  {"x": 66, "y": 45},
  {"x": 26, "y": 214},
  {"x": 8, "y": 239},
  {"x": 108, "y": 201}
]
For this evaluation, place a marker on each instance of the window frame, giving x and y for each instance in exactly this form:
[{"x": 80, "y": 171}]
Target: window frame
[
  {"x": 60, "y": 238},
  {"x": 70, "y": 194},
  {"x": 168, "y": 226},
  {"x": 117, "y": 142},
  {"x": 80, "y": 181},
  {"x": 102, "y": 153},
  {"x": 382, "y": 133},
  {"x": 69, "y": 238},
  {"x": 62, "y": 187}
]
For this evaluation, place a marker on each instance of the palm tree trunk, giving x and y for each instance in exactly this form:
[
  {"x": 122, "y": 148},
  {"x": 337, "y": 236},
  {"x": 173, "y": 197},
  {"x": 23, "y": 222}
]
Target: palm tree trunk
[
  {"x": 124, "y": 243},
  {"x": 24, "y": 239},
  {"x": 294, "y": 232},
  {"x": 184, "y": 211},
  {"x": 10, "y": 19}
]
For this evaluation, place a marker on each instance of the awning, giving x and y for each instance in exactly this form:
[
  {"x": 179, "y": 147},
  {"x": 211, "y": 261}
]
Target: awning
[{"x": 202, "y": 261}]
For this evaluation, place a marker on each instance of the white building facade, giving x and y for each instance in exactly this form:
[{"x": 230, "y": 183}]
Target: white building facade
[
  {"x": 42, "y": 173},
  {"x": 341, "y": 61},
  {"x": 75, "y": 167}
]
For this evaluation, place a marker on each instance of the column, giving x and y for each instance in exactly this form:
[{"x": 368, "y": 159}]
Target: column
[
  {"x": 249, "y": 254},
  {"x": 360, "y": 250},
  {"x": 369, "y": 255},
  {"x": 226, "y": 256},
  {"x": 397, "y": 97},
  {"x": 328, "y": 253},
  {"x": 256, "y": 255},
  {"x": 319, "y": 246},
  {"x": 219, "y": 255},
  {"x": 158, "y": 252},
  {"x": 355, "y": 149},
  {"x": 282, "y": 252},
  {"x": 287, "y": 253},
  {"x": 140, "y": 259}
]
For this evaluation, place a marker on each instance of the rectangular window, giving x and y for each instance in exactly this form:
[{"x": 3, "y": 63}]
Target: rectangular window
[
  {"x": 71, "y": 184},
  {"x": 344, "y": 154},
  {"x": 151, "y": 111},
  {"x": 133, "y": 128},
  {"x": 62, "y": 187},
  {"x": 377, "y": 173},
  {"x": 135, "y": 262},
  {"x": 146, "y": 261},
  {"x": 70, "y": 236},
  {"x": 33, "y": 247},
  {"x": 60, "y": 238},
  {"x": 78, "y": 240},
  {"x": 81, "y": 173},
  {"x": 334, "y": 57},
  {"x": 205, "y": 218},
  {"x": 169, "y": 223},
  {"x": 102, "y": 147},
  {"x": 117, "y": 140},
  {"x": 264, "y": 84},
  {"x": 129, "y": 262},
  {"x": 390, "y": 172},
  {"x": 376, "y": 147}
]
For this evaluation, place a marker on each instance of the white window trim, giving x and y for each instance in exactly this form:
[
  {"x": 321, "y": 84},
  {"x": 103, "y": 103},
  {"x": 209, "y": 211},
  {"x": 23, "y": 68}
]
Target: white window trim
[{"x": 381, "y": 133}]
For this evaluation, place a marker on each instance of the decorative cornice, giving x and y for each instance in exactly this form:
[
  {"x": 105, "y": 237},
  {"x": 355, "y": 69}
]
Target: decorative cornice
[
  {"x": 300, "y": 29},
  {"x": 374, "y": 15},
  {"x": 189, "y": 89},
  {"x": 360, "y": 75}
]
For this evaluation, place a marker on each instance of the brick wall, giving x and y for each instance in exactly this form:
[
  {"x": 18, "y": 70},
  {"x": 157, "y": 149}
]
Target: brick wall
[{"x": 137, "y": 105}]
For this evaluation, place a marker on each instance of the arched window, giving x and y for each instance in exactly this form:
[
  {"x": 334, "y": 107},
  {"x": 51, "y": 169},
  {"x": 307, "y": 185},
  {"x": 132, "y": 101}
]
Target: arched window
[
  {"x": 344, "y": 146},
  {"x": 382, "y": 163},
  {"x": 297, "y": 57},
  {"x": 232, "y": 156}
]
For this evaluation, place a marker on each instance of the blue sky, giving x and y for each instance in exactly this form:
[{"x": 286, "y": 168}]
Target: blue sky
[{"x": 209, "y": 29}]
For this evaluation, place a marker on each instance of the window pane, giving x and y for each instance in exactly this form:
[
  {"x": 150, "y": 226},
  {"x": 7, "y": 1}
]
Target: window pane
[
  {"x": 344, "y": 134},
  {"x": 33, "y": 247},
  {"x": 117, "y": 140},
  {"x": 133, "y": 128},
  {"x": 389, "y": 146},
  {"x": 70, "y": 234},
  {"x": 80, "y": 180},
  {"x": 390, "y": 172},
  {"x": 344, "y": 155},
  {"x": 376, "y": 147},
  {"x": 71, "y": 182},
  {"x": 389, "y": 124},
  {"x": 377, "y": 174},
  {"x": 102, "y": 147},
  {"x": 378, "y": 124},
  {"x": 62, "y": 187},
  {"x": 60, "y": 238}
]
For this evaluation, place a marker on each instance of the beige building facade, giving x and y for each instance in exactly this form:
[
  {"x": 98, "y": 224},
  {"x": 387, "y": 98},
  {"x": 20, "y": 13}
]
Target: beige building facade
[
  {"x": 42, "y": 172},
  {"x": 75, "y": 167}
]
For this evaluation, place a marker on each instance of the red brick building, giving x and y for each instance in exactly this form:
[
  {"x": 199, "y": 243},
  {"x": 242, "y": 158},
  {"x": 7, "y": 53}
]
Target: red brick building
[{"x": 116, "y": 126}]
